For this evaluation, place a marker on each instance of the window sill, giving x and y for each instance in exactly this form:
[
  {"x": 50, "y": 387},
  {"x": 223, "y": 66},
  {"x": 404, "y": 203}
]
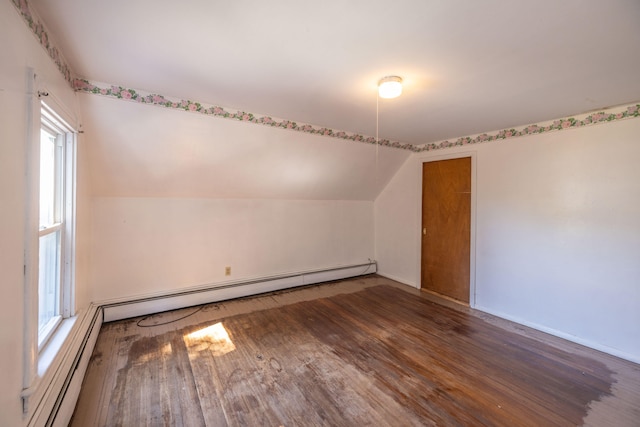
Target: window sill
[{"x": 53, "y": 346}]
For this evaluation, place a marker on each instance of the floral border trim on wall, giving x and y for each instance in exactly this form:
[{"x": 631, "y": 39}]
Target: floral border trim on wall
[
  {"x": 608, "y": 115},
  {"x": 128, "y": 94},
  {"x": 38, "y": 29},
  {"x": 119, "y": 92}
]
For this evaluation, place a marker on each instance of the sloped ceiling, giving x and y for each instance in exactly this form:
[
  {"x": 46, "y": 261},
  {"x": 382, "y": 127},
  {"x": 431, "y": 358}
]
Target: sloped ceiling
[
  {"x": 144, "y": 151},
  {"x": 468, "y": 67}
]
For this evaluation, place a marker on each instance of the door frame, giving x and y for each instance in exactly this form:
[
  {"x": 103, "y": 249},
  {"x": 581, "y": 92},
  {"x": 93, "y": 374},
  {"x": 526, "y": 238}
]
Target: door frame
[{"x": 472, "y": 241}]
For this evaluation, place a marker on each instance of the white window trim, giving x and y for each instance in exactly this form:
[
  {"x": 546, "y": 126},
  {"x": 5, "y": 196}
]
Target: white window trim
[{"x": 39, "y": 357}]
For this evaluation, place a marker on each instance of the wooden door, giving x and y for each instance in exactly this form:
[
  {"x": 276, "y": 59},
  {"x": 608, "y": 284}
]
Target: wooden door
[{"x": 446, "y": 227}]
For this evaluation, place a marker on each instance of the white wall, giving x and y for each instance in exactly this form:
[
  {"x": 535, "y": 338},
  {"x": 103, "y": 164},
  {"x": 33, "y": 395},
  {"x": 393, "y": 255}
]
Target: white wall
[
  {"x": 557, "y": 231},
  {"x": 148, "y": 245},
  {"x": 396, "y": 227},
  {"x": 19, "y": 49}
]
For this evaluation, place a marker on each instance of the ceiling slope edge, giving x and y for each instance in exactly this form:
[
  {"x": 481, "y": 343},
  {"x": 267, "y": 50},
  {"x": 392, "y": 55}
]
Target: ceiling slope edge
[
  {"x": 135, "y": 95},
  {"x": 38, "y": 28},
  {"x": 607, "y": 115}
]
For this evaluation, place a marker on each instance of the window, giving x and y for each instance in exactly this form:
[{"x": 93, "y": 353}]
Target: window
[
  {"x": 56, "y": 223},
  {"x": 49, "y": 245}
]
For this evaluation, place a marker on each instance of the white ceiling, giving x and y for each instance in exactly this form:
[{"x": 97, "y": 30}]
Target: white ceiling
[{"x": 469, "y": 66}]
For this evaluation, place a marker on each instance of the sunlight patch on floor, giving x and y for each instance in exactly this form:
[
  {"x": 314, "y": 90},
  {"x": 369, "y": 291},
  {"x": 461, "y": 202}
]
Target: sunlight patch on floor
[{"x": 214, "y": 338}]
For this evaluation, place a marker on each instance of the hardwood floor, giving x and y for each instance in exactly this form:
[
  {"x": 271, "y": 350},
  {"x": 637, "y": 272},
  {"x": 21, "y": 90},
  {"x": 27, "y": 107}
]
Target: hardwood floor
[{"x": 366, "y": 351}]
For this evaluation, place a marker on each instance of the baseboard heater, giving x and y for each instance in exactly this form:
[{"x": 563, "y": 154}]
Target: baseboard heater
[
  {"x": 56, "y": 405},
  {"x": 156, "y": 303}
]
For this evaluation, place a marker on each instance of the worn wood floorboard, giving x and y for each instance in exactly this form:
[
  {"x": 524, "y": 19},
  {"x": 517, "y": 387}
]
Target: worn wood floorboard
[{"x": 366, "y": 351}]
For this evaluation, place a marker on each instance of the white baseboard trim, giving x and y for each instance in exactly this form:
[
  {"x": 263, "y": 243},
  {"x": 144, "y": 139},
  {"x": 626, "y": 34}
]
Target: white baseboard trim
[
  {"x": 398, "y": 279},
  {"x": 156, "y": 303},
  {"x": 587, "y": 343}
]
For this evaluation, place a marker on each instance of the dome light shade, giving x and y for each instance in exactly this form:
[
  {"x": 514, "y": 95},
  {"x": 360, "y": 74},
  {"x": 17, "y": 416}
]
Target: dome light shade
[{"x": 390, "y": 87}]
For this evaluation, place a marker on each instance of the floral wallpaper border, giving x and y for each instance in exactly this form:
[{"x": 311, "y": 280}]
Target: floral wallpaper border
[
  {"x": 37, "y": 27},
  {"x": 120, "y": 92},
  {"x": 608, "y": 115},
  {"x": 83, "y": 85},
  {"x": 612, "y": 114}
]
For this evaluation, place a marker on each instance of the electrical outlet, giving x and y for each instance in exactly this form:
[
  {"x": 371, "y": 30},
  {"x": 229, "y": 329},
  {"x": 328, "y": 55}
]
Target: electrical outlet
[{"x": 227, "y": 271}]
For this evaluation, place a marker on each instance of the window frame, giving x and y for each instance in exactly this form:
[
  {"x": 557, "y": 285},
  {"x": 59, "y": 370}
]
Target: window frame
[{"x": 63, "y": 218}]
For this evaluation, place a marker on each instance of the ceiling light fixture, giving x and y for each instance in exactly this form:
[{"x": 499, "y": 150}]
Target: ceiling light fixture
[{"x": 390, "y": 87}]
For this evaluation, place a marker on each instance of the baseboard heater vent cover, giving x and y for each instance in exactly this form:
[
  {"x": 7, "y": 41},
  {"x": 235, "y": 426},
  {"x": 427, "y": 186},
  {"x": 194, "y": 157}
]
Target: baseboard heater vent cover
[{"x": 144, "y": 305}]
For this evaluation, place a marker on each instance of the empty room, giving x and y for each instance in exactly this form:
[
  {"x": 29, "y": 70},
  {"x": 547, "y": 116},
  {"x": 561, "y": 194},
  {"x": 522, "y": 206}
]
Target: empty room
[{"x": 320, "y": 213}]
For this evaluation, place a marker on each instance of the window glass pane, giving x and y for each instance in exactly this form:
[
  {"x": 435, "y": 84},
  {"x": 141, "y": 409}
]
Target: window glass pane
[
  {"x": 47, "y": 178},
  {"x": 49, "y": 278}
]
